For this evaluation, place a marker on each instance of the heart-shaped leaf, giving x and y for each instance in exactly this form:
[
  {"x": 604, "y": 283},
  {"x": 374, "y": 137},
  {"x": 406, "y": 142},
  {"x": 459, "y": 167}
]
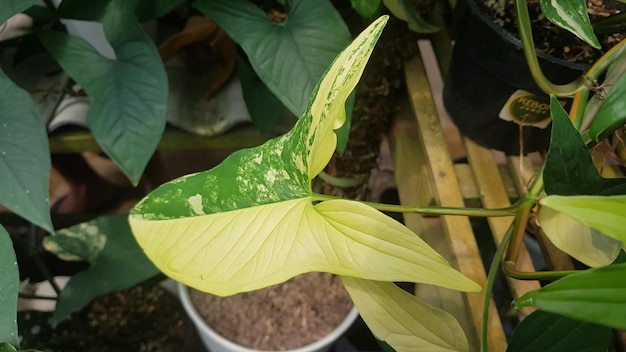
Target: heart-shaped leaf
[
  {"x": 290, "y": 56},
  {"x": 572, "y": 16},
  {"x": 253, "y": 221},
  {"x": 9, "y": 288},
  {"x": 24, "y": 156},
  {"x": 119, "y": 265},
  {"x": 569, "y": 169},
  {"x": 128, "y": 96},
  {"x": 573, "y": 237},
  {"x": 403, "y": 320},
  {"x": 547, "y": 332},
  {"x": 595, "y": 295}
]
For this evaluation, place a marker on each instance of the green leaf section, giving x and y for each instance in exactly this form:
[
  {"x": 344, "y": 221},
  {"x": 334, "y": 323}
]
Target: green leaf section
[
  {"x": 119, "y": 265},
  {"x": 612, "y": 112},
  {"x": 128, "y": 96},
  {"x": 290, "y": 57},
  {"x": 605, "y": 214},
  {"x": 12, "y": 7},
  {"x": 573, "y": 237},
  {"x": 547, "y": 332},
  {"x": 569, "y": 169},
  {"x": 572, "y": 16},
  {"x": 9, "y": 289},
  {"x": 403, "y": 320},
  {"x": 406, "y": 11},
  {"x": 24, "y": 156},
  {"x": 82, "y": 242},
  {"x": 145, "y": 10},
  {"x": 595, "y": 295},
  {"x": 366, "y": 8}
]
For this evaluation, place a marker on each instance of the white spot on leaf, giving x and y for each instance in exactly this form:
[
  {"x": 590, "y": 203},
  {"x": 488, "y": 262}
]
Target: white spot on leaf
[{"x": 196, "y": 204}]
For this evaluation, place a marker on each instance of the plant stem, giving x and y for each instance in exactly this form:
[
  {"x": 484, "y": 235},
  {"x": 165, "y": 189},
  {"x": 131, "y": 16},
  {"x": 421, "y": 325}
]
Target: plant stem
[
  {"x": 432, "y": 210},
  {"x": 40, "y": 263},
  {"x": 528, "y": 46},
  {"x": 491, "y": 279},
  {"x": 29, "y": 296}
]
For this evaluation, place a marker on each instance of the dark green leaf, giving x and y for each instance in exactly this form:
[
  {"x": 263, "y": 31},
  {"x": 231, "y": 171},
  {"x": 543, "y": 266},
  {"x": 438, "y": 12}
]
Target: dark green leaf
[
  {"x": 289, "y": 57},
  {"x": 264, "y": 108},
  {"x": 406, "y": 11},
  {"x": 121, "y": 264},
  {"x": 24, "y": 156},
  {"x": 366, "y": 8},
  {"x": 9, "y": 288},
  {"x": 146, "y": 10},
  {"x": 128, "y": 96},
  {"x": 569, "y": 169},
  {"x": 611, "y": 24},
  {"x": 12, "y": 7},
  {"x": 595, "y": 295},
  {"x": 547, "y": 332}
]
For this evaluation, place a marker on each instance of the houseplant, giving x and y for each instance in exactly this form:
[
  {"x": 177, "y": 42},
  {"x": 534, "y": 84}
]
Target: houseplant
[
  {"x": 284, "y": 229},
  {"x": 489, "y": 88},
  {"x": 128, "y": 126}
]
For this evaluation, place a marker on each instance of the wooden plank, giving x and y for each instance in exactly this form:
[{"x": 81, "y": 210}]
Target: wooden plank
[
  {"x": 493, "y": 195},
  {"x": 415, "y": 187},
  {"x": 461, "y": 242}
]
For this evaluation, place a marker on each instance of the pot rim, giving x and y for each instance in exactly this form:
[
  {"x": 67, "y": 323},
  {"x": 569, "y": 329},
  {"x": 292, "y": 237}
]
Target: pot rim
[{"x": 205, "y": 329}]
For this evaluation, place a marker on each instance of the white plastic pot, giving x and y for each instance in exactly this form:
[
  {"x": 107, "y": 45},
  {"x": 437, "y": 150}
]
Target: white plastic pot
[{"x": 217, "y": 343}]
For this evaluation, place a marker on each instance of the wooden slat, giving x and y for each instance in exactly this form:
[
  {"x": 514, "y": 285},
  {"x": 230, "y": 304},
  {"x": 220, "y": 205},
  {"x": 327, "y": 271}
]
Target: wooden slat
[
  {"x": 461, "y": 242},
  {"x": 493, "y": 195}
]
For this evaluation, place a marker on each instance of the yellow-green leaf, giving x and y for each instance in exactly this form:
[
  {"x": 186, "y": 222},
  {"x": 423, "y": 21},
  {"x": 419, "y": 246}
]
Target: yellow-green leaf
[
  {"x": 582, "y": 242},
  {"x": 604, "y": 213},
  {"x": 404, "y": 321},
  {"x": 251, "y": 248}
]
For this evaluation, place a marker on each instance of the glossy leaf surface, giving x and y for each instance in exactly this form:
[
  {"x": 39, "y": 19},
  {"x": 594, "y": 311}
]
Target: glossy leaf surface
[
  {"x": 12, "y": 7},
  {"x": 119, "y": 265},
  {"x": 572, "y": 16},
  {"x": 24, "y": 156},
  {"x": 569, "y": 169},
  {"x": 573, "y": 237},
  {"x": 403, "y": 320},
  {"x": 366, "y": 8},
  {"x": 9, "y": 289},
  {"x": 128, "y": 96},
  {"x": 605, "y": 214},
  {"x": 252, "y": 221},
  {"x": 547, "y": 332},
  {"x": 290, "y": 56},
  {"x": 595, "y": 295}
]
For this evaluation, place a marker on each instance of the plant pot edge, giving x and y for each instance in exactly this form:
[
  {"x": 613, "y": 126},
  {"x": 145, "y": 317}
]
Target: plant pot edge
[{"x": 217, "y": 343}]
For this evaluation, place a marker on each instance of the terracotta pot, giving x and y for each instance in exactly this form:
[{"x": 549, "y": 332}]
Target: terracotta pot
[{"x": 217, "y": 343}]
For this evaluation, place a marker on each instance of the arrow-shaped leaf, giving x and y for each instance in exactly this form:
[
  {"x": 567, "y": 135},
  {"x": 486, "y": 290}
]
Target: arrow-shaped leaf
[
  {"x": 128, "y": 96},
  {"x": 253, "y": 221},
  {"x": 595, "y": 295},
  {"x": 572, "y": 16},
  {"x": 24, "y": 156},
  {"x": 403, "y": 320},
  {"x": 289, "y": 57}
]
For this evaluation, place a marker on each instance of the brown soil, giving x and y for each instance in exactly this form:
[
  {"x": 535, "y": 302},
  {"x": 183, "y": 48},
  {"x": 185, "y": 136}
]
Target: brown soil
[
  {"x": 549, "y": 38},
  {"x": 142, "y": 318},
  {"x": 286, "y": 316}
]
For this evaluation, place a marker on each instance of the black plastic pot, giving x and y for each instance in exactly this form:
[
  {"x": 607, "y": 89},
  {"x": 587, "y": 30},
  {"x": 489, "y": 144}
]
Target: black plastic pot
[{"x": 487, "y": 68}]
